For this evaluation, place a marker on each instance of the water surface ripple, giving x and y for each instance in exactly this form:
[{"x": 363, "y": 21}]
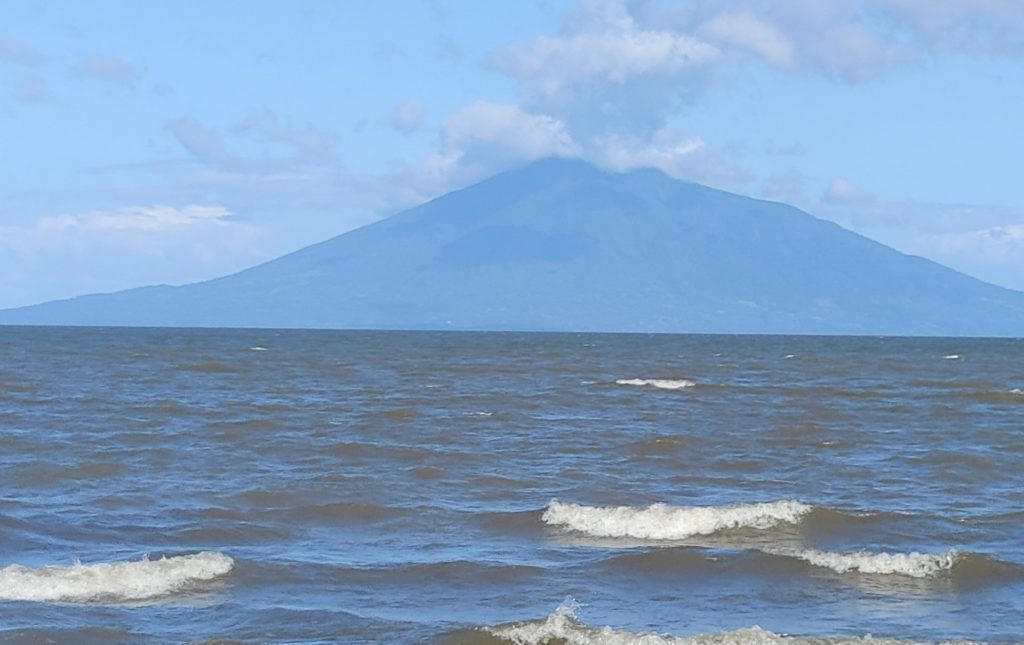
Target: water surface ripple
[{"x": 390, "y": 487}]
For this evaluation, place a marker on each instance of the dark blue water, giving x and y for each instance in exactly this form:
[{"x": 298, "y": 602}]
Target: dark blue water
[{"x": 362, "y": 487}]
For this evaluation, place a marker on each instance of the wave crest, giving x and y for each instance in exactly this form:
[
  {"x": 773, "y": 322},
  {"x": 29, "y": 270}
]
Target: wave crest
[
  {"x": 562, "y": 626},
  {"x": 111, "y": 581},
  {"x": 914, "y": 564},
  {"x": 660, "y": 383},
  {"x": 664, "y": 522}
]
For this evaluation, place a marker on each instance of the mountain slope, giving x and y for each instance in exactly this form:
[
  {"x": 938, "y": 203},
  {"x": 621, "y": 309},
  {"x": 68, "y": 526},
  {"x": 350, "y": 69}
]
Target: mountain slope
[{"x": 560, "y": 245}]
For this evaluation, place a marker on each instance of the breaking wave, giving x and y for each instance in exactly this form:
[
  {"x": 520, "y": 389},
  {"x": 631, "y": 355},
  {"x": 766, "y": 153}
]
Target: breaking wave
[
  {"x": 914, "y": 564},
  {"x": 665, "y": 522},
  {"x": 660, "y": 383},
  {"x": 562, "y": 626},
  {"x": 959, "y": 567},
  {"x": 112, "y": 581}
]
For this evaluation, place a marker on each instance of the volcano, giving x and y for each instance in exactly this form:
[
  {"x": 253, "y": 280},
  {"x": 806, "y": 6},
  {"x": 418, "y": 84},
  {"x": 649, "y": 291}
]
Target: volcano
[{"x": 561, "y": 245}]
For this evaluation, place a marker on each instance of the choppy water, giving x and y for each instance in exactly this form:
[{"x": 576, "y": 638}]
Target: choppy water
[{"x": 342, "y": 487}]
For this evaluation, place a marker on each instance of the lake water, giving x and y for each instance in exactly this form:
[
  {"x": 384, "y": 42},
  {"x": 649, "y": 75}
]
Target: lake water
[{"x": 383, "y": 487}]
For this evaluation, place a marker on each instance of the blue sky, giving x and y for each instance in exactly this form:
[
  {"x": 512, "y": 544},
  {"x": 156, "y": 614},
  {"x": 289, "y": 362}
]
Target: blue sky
[{"x": 163, "y": 142}]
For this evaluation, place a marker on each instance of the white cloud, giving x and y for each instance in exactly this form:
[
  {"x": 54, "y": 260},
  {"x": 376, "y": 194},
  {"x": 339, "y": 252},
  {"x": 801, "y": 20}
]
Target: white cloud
[
  {"x": 602, "y": 58},
  {"x": 1004, "y": 234},
  {"x": 65, "y": 255},
  {"x": 847, "y": 40},
  {"x": 986, "y": 242},
  {"x": 137, "y": 218},
  {"x": 1002, "y": 242},
  {"x": 852, "y": 41},
  {"x": 668, "y": 150},
  {"x": 617, "y": 73},
  {"x": 994, "y": 254},
  {"x": 548, "y": 66},
  {"x": 745, "y": 30},
  {"x": 491, "y": 134},
  {"x": 977, "y": 27}
]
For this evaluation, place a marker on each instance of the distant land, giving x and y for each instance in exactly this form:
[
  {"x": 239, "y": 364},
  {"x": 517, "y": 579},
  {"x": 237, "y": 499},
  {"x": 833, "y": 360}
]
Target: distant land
[{"x": 560, "y": 245}]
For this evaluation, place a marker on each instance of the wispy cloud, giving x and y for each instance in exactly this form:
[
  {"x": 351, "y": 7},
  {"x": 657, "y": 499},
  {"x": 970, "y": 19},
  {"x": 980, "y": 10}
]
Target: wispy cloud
[
  {"x": 201, "y": 142},
  {"x": 745, "y": 30},
  {"x": 448, "y": 49},
  {"x": 15, "y": 52},
  {"x": 138, "y": 218},
  {"x": 285, "y": 146},
  {"x": 851, "y": 41},
  {"x": 407, "y": 116},
  {"x": 305, "y": 142},
  {"x": 981, "y": 240},
  {"x": 32, "y": 90},
  {"x": 111, "y": 70},
  {"x": 844, "y": 191}
]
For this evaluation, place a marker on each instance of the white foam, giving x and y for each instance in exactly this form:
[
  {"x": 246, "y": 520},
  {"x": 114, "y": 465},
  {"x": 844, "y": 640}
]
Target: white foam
[
  {"x": 914, "y": 564},
  {"x": 660, "y": 383},
  {"x": 563, "y": 626},
  {"x": 111, "y": 581},
  {"x": 952, "y": 357},
  {"x": 664, "y": 522},
  {"x": 1016, "y": 390},
  {"x": 258, "y": 348}
]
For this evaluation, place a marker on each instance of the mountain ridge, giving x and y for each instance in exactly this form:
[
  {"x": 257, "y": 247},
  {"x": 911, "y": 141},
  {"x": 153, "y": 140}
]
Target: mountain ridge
[{"x": 560, "y": 245}]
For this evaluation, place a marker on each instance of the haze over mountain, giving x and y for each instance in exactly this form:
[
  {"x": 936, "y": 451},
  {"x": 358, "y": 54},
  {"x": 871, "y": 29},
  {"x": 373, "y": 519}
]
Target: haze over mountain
[{"x": 561, "y": 245}]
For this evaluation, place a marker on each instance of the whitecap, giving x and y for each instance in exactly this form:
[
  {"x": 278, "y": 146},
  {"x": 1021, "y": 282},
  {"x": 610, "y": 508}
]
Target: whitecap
[
  {"x": 914, "y": 564},
  {"x": 660, "y": 383},
  {"x": 952, "y": 357},
  {"x": 564, "y": 627},
  {"x": 258, "y": 348},
  {"x": 111, "y": 581},
  {"x": 665, "y": 522}
]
